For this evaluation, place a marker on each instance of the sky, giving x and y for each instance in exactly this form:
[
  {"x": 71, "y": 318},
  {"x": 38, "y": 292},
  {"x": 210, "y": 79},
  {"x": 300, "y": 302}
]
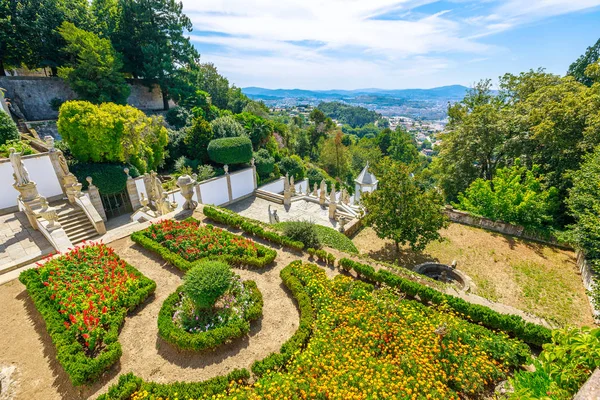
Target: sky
[{"x": 388, "y": 44}]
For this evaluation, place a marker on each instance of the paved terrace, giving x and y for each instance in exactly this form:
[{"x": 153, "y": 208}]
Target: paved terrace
[
  {"x": 19, "y": 242},
  {"x": 257, "y": 208}
]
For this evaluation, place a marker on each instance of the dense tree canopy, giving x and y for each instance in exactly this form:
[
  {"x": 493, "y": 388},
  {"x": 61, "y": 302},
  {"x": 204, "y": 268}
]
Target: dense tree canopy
[
  {"x": 354, "y": 116},
  {"x": 578, "y": 68},
  {"x": 401, "y": 210}
]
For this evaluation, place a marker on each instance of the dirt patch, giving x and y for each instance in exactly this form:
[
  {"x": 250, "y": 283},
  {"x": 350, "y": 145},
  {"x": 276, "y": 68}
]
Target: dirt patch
[
  {"x": 40, "y": 376},
  {"x": 530, "y": 276}
]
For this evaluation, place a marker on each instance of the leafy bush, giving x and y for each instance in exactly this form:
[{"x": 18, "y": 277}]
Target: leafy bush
[
  {"x": 230, "y": 150},
  {"x": 112, "y": 133},
  {"x": 293, "y": 166},
  {"x": 233, "y": 328},
  {"x": 562, "y": 367},
  {"x": 206, "y": 282},
  {"x": 198, "y": 243},
  {"x": 55, "y": 103},
  {"x": 20, "y": 146},
  {"x": 249, "y": 226},
  {"x": 86, "y": 334},
  {"x": 227, "y": 127},
  {"x": 8, "y": 128},
  {"x": 130, "y": 386},
  {"x": 107, "y": 177},
  {"x": 302, "y": 231},
  {"x": 178, "y": 117},
  {"x": 328, "y": 237},
  {"x": 515, "y": 195},
  {"x": 316, "y": 175},
  {"x": 512, "y": 324},
  {"x": 265, "y": 164}
]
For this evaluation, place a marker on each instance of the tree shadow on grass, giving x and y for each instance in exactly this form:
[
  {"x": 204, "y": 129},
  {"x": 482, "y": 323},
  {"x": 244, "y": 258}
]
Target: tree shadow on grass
[
  {"x": 62, "y": 382},
  {"x": 406, "y": 258}
]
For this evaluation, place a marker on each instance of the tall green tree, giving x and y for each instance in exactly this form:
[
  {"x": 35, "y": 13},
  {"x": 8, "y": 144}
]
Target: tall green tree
[
  {"x": 516, "y": 195},
  {"x": 150, "y": 35},
  {"x": 94, "y": 69},
  {"x": 258, "y": 129},
  {"x": 401, "y": 210},
  {"x": 18, "y": 23},
  {"x": 214, "y": 84},
  {"x": 403, "y": 147},
  {"x": 197, "y": 138},
  {"x": 577, "y": 69}
]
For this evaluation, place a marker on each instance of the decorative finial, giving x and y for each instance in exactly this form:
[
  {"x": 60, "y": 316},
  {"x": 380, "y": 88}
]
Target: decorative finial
[
  {"x": 126, "y": 172},
  {"x": 89, "y": 180},
  {"x": 226, "y": 168},
  {"x": 252, "y": 162}
]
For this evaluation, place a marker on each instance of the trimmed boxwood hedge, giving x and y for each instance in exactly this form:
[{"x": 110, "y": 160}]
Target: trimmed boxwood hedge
[
  {"x": 184, "y": 265},
  {"x": 69, "y": 352},
  {"x": 511, "y": 324},
  {"x": 184, "y": 340},
  {"x": 249, "y": 226},
  {"x": 276, "y": 361},
  {"x": 231, "y": 150},
  {"x": 130, "y": 384}
]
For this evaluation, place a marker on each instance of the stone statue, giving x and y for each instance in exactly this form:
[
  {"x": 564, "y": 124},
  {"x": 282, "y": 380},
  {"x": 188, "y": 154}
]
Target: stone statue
[
  {"x": 49, "y": 142},
  {"x": 273, "y": 217},
  {"x": 292, "y": 185},
  {"x": 315, "y": 190},
  {"x": 64, "y": 167},
  {"x": 186, "y": 183},
  {"x": 20, "y": 172}
]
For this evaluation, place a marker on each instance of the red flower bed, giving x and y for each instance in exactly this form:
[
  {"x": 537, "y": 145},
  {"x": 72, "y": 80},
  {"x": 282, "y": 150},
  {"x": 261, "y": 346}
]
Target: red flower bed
[
  {"x": 88, "y": 285},
  {"x": 192, "y": 242}
]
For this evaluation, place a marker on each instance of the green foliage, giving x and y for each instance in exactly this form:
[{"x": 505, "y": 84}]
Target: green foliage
[
  {"x": 20, "y": 146},
  {"x": 402, "y": 147},
  {"x": 211, "y": 338},
  {"x": 112, "y": 133},
  {"x": 562, "y": 367},
  {"x": 265, "y": 164},
  {"x": 257, "y": 128},
  {"x": 513, "y": 325},
  {"x": 293, "y": 166},
  {"x": 515, "y": 195},
  {"x": 227, "y": 126},
  {"x": 401, "y": 210},
  {"x": 578, "y": 68},
  {"x": 8, "y": 128},
  {"x": 206, "y": 282},
  {"x": 197, "y": 138},
  {"x": 178, "y": 117},
  {"x": 302, "y": 231},
  {"x": 354, "y": 116},
  {"x": 326, "y": 236},
  {"x": 335, "y": 157},
  {"x": 205, "y": 172},
  {"x": 249, "y": 226},
  {"x": 109, "y": 178},
  {"x": 70, "y": 353},
  {"x": 94, "y": 70},
  {"x": 231, "y": 150},
  {"x": 55, "y": 103},
  {"x": 129, "y": 384}
]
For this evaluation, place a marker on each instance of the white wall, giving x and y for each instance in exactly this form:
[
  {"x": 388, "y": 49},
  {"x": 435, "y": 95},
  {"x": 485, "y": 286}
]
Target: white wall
[
  {"x": 301, "y": 186},
  {"x": 214, "y": 192},
  {"x": 40, "y": 171},
  {"x": 141, "y": 188},
  {"x": 242, "y": 183},
  {"x": 273, "y": 187}
]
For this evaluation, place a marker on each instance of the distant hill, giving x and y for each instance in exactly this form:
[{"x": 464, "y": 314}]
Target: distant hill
[
  {"x": 456, "y": 92},
  {"x": 429, "y": 104}
]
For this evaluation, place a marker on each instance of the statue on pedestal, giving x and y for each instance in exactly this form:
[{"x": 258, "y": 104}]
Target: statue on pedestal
[
  {"x": 20, "y": 174},
  {"x": 186, "y": 184}
]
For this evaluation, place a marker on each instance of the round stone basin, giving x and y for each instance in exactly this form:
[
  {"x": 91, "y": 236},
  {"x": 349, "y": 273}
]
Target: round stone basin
[{"x": 444, "y": 273}]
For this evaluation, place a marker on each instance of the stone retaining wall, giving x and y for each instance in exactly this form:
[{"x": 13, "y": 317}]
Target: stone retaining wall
[{"x": 32, "y": 94}]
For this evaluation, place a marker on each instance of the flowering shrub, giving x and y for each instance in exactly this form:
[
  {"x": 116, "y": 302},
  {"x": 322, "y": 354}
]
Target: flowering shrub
[
  {"x": 367, "y": 343},
  {"x": 184, "y": 242},
  {"x": 84, "y": 296}
]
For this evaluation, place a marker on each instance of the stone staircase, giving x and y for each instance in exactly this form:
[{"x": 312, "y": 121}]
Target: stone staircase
[
  {"x": 273, "y": 197},
  {"x": 75, "y": 222}
]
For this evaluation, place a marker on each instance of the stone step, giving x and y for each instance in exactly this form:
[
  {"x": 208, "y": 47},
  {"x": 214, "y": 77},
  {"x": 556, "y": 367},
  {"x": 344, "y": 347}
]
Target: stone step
[
  {"x": 75, "y": 229},
  {"x": 69, "y": 222},
  {"x": 87, "y": 235},
  {"x": 275, "y": 198}
]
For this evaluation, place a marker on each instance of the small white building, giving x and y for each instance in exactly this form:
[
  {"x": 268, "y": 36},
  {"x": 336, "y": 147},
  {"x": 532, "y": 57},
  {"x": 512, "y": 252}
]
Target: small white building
[{"x": 365, "y": 182}]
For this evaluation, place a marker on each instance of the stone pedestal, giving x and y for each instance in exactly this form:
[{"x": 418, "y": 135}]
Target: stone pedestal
[
  {"x": 292, "y": 186},
  {"x": 315, "y": 190},
  {"x": 322, "y": 193},
  {"x": 72, "y": 187},
  {"x": 186, "y": 183},
  {"x": 95, "y": 199},
  {"x": 31, "y": 201},
  {"x": 332, "y": 204},
  {"x": 132, "y": 191}
]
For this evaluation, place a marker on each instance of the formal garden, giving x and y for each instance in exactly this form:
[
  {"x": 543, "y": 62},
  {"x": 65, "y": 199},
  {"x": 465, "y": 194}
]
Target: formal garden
[{"x": 219, "y": 306}]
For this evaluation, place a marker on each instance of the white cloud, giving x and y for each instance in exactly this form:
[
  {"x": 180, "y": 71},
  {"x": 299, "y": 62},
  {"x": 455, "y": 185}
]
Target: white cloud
[{"x": 263, "y": 41}]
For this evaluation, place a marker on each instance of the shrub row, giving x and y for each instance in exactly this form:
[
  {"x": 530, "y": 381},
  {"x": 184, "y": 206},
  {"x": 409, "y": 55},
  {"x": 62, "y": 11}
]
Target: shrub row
[
  {"x": 251, "y": 228},
  {"x": 129, "y": 384},
  {"x": 210, "y": 339},
  {"x": 322, "y": 256},
  {"x": 185, "y": 265},
  {"x": 69, "y": 352},
  {"x": 512, "y": 324},
  {"x": 276, "y": 361}
]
